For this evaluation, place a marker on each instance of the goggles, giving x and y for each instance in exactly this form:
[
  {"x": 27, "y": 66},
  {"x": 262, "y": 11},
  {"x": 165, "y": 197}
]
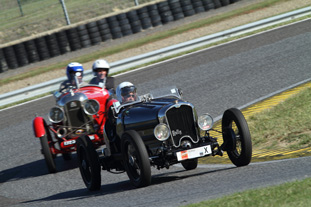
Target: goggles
[{"x": 127, "y": 90}]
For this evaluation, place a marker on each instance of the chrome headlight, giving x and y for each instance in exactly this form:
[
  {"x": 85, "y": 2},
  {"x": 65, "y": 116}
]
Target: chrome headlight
[
  {"x": 91, "y": 106},
  {"x": 205, "y": 122},
  {"x": 161, "y": 132},
  {"x": 56, "y": 114}
]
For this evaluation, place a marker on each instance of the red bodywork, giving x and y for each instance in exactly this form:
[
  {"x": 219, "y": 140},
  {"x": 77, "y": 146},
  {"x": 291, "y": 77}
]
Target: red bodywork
[{"x": 68, "y": 144}]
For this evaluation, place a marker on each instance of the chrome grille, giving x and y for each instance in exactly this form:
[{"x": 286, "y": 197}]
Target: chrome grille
[
  {"x": 181, "y": 122},
  {"x": 75, "y": 114}
]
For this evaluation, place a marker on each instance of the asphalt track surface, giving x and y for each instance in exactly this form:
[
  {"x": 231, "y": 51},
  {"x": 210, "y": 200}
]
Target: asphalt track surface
[{"x": 230, "y": 75}]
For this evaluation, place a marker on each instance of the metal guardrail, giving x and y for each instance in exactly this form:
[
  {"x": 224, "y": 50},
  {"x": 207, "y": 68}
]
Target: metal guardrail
[{"x": 125, "y": 64}]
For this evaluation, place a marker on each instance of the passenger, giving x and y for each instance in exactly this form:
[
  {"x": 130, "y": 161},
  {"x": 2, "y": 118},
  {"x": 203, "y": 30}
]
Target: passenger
[
  {"x": 101, "y": 70},
  {"x": 126, "y": 92},
  {"x": 74, "y": 71}
]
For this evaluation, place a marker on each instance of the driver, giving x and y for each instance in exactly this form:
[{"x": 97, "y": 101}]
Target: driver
[
  {"x": 74, "y": 71},
  {"x": 126, "y": 92},
  {"x": 100, "y": 70}
]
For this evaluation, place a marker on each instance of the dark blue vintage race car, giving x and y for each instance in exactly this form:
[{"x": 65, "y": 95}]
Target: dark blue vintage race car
[{"x": 160, "y": 129}]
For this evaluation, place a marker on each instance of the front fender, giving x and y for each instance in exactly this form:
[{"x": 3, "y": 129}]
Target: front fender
[{"x": 38, "y": 126}]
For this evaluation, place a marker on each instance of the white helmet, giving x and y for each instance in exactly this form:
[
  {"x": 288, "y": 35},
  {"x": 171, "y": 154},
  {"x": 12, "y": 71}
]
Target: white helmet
[
  {"x": 100, "y": 63},
  {"x": 124, "y": 89}
]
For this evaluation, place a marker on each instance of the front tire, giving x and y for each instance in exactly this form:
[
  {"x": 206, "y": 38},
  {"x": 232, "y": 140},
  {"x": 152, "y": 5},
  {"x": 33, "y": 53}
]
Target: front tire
[
  {"x": 190, "y": 164},
  {"x": 88, "y": 162},
  {"x": 237, "y": 138},
  {"x": 45, "y": 141},
  {"x": 136, "y": 159}
]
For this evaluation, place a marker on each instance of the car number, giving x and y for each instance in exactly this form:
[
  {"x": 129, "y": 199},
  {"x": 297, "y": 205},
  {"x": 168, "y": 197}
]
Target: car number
[
  {"x": 194, "y": 153},
  {"x": 69, "y": 142}
]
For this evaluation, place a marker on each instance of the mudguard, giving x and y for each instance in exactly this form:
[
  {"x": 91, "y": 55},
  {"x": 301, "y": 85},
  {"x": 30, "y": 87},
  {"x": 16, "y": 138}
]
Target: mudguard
[{"x": 38, "y": 127}]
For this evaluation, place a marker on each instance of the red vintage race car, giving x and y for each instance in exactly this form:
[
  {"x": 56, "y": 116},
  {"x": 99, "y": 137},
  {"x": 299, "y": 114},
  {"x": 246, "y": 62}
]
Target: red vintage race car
[{"x": 78, "y": 111}]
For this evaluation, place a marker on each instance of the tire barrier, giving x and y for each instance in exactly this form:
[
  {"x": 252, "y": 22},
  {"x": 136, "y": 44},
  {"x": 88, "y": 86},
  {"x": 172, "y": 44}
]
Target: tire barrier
[
  {"x": 187, "y": 7},
  {"x": 104, "y": 29},
  {"x": 93, "y": 33},
  {"x": 154, "y": 15},
  {"x": 165, "y": 12},
  {"x": 32, "y": 52},
  {"x": 3, "y": 65},
  {"x": 63, "y": 42},
  {"x": 114, "y": 26},
  {"x": 134, "y": 21}
]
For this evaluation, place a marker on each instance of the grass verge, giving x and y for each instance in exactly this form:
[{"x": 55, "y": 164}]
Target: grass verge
[
  {"x": 286, "y": 195},
  {"x": 285, "y": 125}
]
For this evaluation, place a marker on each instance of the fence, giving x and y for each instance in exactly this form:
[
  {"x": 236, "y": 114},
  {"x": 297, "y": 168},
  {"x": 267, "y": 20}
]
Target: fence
[
  {"x": 125, "y": 22},
  {"x": 22, "y": 18}
]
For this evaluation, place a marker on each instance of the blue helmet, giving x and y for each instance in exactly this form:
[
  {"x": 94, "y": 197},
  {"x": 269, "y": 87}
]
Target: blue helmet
[{"x": 73, "y": 68}]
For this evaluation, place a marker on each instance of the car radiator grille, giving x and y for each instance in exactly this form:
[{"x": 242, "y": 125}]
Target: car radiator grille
[
  {"x": 181, "y": 122},
  {"x": 76, "y": 116}
]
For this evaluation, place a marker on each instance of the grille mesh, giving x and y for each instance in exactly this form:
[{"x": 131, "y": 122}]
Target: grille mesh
[
  {"x": 76, "y": 115},
  {"x": 181, "y": 123}
]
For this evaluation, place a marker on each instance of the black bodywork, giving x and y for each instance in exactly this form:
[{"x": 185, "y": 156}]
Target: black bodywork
[{"x": 134, "y": 121}]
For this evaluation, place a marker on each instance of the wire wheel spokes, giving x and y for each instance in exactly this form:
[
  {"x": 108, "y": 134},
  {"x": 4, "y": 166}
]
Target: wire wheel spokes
[
  {"x": 133, "y": 161},
  {"x": 237, "y": 137},
  {"x": 136, "y": 159},
  {"x": 85, "y": 166},
  {"x": 238, "y": 144}
]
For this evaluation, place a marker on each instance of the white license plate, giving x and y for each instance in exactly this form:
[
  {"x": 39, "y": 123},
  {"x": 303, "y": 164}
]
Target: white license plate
[{"x": 194, "y": 153}]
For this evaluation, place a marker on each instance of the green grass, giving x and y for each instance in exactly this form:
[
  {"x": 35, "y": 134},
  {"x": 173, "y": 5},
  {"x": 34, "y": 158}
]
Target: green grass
[
  {"x": 42, "y": 15},
  {"x": 285, "y": 125},
  {"x": 286, "y": 195}
]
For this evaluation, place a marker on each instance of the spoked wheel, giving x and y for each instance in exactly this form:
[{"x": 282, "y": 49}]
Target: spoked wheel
[
  {"x": 237, "y": 138},
  {"x": 190, "y": 164},
  {"x": 46, "y": 141},
  {"x": 88, "y": 163},
  {"x": 136, "y": 159}
]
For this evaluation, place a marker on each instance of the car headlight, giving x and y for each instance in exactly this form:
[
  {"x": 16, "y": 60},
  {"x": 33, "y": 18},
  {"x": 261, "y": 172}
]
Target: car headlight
[
  {"x": 56, "y": 114},
  {"x": 161, "y": 132},
  {"x": 91, "y": 106},
  {"x": 205, "y": 122}
]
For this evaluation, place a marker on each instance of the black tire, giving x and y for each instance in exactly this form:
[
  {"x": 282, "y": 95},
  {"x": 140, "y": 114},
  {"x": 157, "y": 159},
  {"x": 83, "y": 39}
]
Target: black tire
[
  {"x": 10, "y": 57},
  {"x": 67, "y": 156},
  {"x": 88, "y": 162},
  {"x": 73, "y": 39},
  {"x": 136, "y": 159},
  {"x": 190, "y": 164},
  {"x": 225, "y": 2},
  {"x": 185, "y": 2},
  {"x": 3, "y": 65},
  {"x": 217, "y": 4},
  {"x": 106, "y": 37},
  {"x": 45, "y": 141},
  {"x": 21, "y": 54},
  {"x": 42, "y": 48},
  {"x": 63, "y": 42},
  {"x": 237, "y": 138},
  {"x": 32, "y": 52},
  {"x": 208, "y": 4},
  {"x": 52, "y": 44}
]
